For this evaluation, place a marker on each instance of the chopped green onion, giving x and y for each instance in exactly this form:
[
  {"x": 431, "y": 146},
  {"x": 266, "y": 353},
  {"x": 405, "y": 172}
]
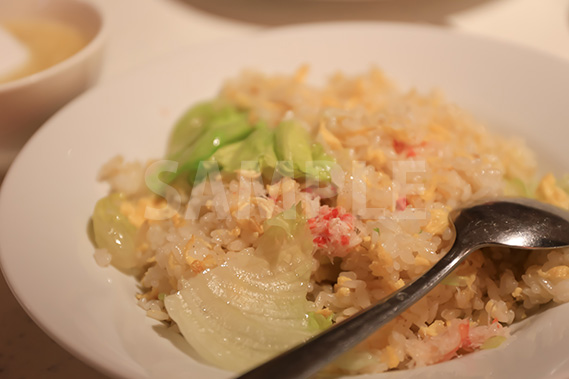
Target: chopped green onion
[
  {"x": 458, "y": 280},
  {"x": 318, "y": 322},
  {"x": 493, "y": 342},
  {"x": 518, "y": 187}
]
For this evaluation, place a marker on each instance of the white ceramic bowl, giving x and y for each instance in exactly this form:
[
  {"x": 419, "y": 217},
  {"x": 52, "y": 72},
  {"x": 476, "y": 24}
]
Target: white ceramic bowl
[{"x": 27, "y": 102}]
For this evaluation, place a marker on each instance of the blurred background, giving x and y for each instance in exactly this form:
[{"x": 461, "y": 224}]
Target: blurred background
[{"x": 141, "y": 31}]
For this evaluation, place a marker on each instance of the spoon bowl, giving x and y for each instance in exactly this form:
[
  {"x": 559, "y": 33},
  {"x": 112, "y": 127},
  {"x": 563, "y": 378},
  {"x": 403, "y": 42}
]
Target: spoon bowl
[
  {"x": 517, "y": 223},
  {"x": 510, "y": 222}
]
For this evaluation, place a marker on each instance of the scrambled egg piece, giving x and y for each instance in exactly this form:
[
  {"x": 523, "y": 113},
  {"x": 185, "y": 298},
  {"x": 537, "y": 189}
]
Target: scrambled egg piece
[
  {"x": 391, "y": 358},
  {"x": 208, "y": 262},
  {"x": 343, "y": 280},
  {"x": 380, "y": 259},
  {"x": 430, "y": 192},
  {"x": 325, "y": 312},
  {"x": 549, "y": 191},
  {"x": 376, "y": 158},
  {"x": 301, "y": 73},
  {"x": 439, "y": 132},
  {"x": 330, "y": 138},
  {"x": 422, "y": 261},
  {"x": 399, "y": 284},
  {"x": 438, "y": 222},
  {"x": 135, "y": 212},
  {"x": 555, "y": 273},
  {"x": 432, "y": 330},
  {"x": 517, "y": 293}
]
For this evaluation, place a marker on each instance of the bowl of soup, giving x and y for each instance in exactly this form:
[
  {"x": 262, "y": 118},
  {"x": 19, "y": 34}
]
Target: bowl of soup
[{"x": 52, "y": 51}]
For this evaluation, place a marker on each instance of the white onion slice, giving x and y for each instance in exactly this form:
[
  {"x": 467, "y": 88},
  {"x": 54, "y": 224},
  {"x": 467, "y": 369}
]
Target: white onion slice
[{"x": 252, "y": 307}]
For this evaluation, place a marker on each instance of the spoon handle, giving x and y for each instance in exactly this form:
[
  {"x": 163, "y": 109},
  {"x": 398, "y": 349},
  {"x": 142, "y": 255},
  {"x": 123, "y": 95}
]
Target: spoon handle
[{"x": 308, "y": 358}]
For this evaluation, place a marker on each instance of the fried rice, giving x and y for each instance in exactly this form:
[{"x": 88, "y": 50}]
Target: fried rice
[{"x": 406, "y": 160}]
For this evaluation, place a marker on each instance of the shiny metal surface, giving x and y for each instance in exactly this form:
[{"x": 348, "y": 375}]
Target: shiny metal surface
[{"x": 511, "y": 222}]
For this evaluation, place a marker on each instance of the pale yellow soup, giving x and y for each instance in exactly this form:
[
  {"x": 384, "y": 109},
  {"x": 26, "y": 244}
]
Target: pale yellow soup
[{"x": 48, "y": 42}]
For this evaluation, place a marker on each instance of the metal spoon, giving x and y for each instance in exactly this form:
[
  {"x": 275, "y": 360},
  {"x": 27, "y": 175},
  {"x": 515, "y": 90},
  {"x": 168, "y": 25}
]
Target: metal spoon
[{"x": 516, "y": 223}]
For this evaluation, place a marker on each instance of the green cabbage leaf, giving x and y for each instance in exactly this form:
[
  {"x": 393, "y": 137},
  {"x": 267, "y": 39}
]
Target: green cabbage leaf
[{"x": 114, "y": 232}]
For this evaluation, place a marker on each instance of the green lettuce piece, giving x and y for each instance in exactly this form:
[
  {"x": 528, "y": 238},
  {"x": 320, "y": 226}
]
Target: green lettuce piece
[
  {"x": 298, "y": 157},
  {"x": 292, "y": 144},
  {"x": 253, "y": 307},
  {"x": 214, "y": 131},
  {"x": 193, "y": 123},
  {"x": 224, "y": 128},
  {"x": 256, "y": 152},
  {"x": 322, "y": 164},
  {"x": 288, "y": 230},
  {"x": 114, "y": 232}
]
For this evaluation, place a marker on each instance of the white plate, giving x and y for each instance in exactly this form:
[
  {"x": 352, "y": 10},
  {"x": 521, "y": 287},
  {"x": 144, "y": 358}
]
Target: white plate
[{"x": 50, "y": 191}]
